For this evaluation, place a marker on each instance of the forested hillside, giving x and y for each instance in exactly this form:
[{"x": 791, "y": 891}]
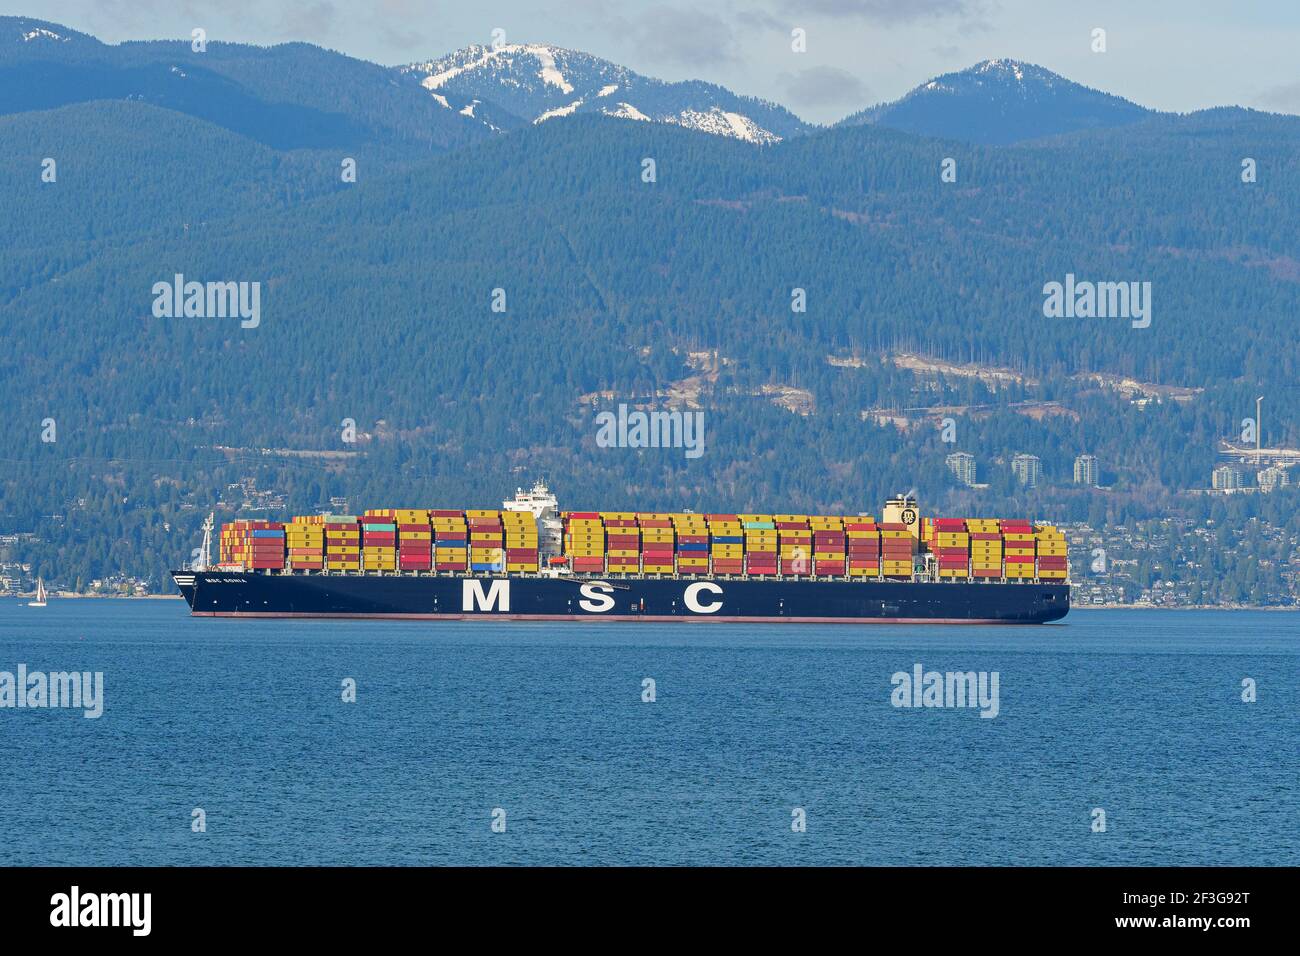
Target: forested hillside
[{"x": 377, "y": 305}]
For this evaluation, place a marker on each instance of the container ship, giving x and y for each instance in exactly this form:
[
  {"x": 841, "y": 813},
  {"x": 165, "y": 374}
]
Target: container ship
[{"x": 530, "y": 561}]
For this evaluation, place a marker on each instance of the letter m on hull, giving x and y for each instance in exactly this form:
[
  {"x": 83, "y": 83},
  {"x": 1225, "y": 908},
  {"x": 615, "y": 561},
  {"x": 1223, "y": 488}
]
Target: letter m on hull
[{"x": 473, "y": 598}]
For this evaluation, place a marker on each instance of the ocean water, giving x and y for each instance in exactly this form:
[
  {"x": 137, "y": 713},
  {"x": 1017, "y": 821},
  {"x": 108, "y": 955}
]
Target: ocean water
[{"x": 1138, "y": 713}]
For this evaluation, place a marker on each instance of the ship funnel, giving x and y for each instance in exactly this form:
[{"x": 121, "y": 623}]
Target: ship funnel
[{"x": 902, "y": 509}]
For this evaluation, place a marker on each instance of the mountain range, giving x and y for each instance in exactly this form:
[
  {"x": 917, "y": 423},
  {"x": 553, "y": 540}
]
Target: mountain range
[
  {"x": 535, "y": 83},
  {"x": 481, "y": 289},
  {"x": 299, "y": 96}
]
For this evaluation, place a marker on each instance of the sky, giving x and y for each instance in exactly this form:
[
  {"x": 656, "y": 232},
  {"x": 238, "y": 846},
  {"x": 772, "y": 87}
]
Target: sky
[{"x": 1162, "y": 54}]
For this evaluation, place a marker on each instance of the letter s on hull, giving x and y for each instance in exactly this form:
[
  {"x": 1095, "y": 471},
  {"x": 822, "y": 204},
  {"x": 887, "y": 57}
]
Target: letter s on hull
[
  {"x": 596, "y": 597},
  {"x": 692, "y": 599}
]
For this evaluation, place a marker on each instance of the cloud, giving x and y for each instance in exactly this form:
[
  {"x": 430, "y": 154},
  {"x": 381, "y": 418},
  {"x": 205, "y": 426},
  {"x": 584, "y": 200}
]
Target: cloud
[
  {"x": 313, "y": 22},
  {"x": 1281, "y": 99},
  {"x": 823, "y": 87},
  {"x": 885, "y": 11},
  {"x": 680, "y": 36}
]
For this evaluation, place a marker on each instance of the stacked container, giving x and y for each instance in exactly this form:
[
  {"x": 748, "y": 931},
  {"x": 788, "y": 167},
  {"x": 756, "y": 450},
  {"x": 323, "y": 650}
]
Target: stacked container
[
  {"x": 1018, "y": 548},
  {"x": 794, "y": 544},
  {"x": 829, "y": 545},
  {"x": 622, "y": 542},
  {"x": 584, "y": 541},
  {"x": 450, "y": 540},
  {"x": 1053, "y": 560},
  {"x": 657, "y": 543},
  {"x": 692, "y": 543},
  {"x": 897, "y": 548},
  {"x": 985, "y": 548},
  {"x": 520, "y": 529},
  {"x": 252, "y": 544},
  {"x": 414, "y": 540},
  {"x": 726, "y": 544},
  {"x": 305, "y": 538},
  {"x": 487, "y": 541},
  {"x": 951, "y": 545},
  {"x": 378, "y": 541},
  {"x": 342, "y": 543},
  {"x": 760, "y": 544},
  {"x": 863, "y": 540}
]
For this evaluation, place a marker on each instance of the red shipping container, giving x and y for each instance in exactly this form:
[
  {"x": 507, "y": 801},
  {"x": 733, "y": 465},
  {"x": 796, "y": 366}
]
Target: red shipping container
[
  {"x": 586, "y": 515},
  {"x": 986, "y": 573},
  {"x": 446, "y": 514},
  {"x": 1019, "y": 559}
]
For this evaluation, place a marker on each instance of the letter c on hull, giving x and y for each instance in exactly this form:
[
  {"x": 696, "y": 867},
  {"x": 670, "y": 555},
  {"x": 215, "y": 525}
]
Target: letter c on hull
[{"x": 692, "y": 599}]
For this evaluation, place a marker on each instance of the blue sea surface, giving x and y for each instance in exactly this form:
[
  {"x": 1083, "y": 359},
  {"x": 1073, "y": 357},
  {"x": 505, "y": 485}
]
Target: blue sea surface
[{"x": 1138, "y": 713}]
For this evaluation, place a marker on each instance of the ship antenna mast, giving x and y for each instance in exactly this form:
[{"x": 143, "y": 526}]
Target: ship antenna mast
[{"x": 205, "y": 549}]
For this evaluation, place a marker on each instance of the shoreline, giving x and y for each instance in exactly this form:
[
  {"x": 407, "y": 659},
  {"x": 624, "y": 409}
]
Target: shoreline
[
  {"x": 69, "y": 596},
  {"x": 1182, "y": 607}
]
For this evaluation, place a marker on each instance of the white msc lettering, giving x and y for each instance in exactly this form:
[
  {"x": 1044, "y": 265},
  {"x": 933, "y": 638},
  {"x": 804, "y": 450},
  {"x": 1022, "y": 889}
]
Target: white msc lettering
[
  {"x": 597, "y": 598},
  {"x": 497, "y": 597},
  {"x": 693, "y": 601}
]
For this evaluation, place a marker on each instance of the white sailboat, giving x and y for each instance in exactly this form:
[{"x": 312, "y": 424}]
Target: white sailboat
[{"x": 40, "y": 595}]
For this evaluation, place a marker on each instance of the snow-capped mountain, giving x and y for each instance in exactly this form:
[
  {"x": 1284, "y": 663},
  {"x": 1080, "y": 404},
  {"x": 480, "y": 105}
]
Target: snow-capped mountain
[
  {"x": 1000, "y": 101},
  {"x": 536, "y": 83}
]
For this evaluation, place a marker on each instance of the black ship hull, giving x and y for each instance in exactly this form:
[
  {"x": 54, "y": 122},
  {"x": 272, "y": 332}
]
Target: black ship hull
[{"x": 534, "y": 597}]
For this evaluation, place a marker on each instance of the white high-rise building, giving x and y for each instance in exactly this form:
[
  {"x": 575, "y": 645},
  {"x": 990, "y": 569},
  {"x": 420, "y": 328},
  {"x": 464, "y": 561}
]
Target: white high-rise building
[
  {"x": 1028, "y": 470},
  {"x": 962, "y": 464},
  {"x": 1087, "y": 471}
]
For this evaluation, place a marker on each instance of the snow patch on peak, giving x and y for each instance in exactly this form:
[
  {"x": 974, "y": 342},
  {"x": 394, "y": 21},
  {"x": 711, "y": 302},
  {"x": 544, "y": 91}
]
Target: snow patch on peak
[
  {"x": 719, "y": 122},
  {"x": 559, "y": 111},
  {"x": 483, "y": 56},
  {"x": 40, "y": 33},
  {"x": 548, "y": 72},
  {"x": 627, "y": 111},
  {"x": 606, "y": 90}
]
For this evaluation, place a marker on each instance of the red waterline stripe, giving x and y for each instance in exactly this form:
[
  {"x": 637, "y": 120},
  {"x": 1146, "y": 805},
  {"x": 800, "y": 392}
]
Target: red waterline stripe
[{"x": 648, "y": 618}]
